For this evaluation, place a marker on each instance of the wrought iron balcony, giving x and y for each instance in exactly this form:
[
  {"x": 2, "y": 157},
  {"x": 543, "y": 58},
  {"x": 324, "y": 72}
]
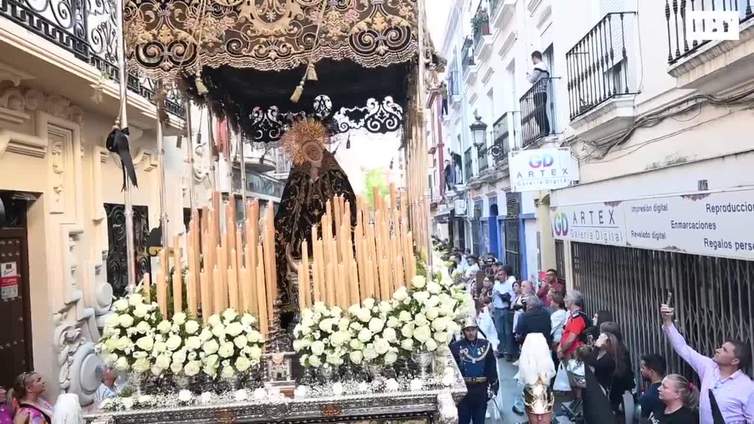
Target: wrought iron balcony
[
  {"x": 501, "y": 135},
  {"x": 680, "y": 45},
  {"x": 537, "y": 112},
  {"x": 88, "y": 30},
  {"x": 480, "y": 24},
  {"x": 467, "y": 54},
  {"x": 601, "y": 65}
]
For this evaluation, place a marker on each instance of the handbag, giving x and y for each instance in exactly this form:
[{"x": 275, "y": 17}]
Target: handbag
[
  {"x": 562, "y": 382},
  {"x": 576, "y": 373}
]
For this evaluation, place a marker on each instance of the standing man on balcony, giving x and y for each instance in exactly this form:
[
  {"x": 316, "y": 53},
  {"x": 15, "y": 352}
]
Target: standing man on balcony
[{"x": 539, "y": 78}]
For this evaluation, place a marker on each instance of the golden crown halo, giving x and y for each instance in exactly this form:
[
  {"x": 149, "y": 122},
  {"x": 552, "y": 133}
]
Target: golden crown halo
[{"x": 302, "y": 132}]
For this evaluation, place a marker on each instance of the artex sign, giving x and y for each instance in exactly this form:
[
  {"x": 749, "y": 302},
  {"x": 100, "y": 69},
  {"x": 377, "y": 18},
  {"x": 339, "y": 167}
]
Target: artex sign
[{"x": 542, "y": 169}]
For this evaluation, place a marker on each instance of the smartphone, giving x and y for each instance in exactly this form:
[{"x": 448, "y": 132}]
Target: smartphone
[{"x": 670, "y": 297}]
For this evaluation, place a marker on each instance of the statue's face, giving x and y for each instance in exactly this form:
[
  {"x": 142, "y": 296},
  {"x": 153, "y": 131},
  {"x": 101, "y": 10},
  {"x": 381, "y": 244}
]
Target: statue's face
[{"x": 313, "y": 152}]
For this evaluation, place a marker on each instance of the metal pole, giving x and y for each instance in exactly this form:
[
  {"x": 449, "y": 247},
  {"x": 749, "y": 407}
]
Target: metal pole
[
  {"x": 243, "y": 169},
  {"x": 211, "y": 141},
  {"x": 123, "y": 123},
  {"x": 163, "y": 195},
  {"x": 190, "y": 147},
  {"x": 420, "y": 104}
]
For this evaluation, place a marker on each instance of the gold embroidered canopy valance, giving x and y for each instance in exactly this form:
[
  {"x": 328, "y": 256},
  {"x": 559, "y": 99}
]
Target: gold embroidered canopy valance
[{"x": 169, "y": 37}]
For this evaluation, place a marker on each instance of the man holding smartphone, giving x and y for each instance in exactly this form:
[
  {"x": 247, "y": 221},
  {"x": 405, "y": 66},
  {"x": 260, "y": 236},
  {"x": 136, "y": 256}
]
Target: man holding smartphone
[{"x": 727, "y": 392}]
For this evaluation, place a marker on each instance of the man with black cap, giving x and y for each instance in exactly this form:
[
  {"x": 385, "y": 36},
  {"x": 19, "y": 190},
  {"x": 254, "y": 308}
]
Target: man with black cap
[{"x": 476, "y": 361}]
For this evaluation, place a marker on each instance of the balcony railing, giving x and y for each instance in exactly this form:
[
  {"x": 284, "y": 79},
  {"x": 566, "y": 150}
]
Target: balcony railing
[
  {"x": 680, "y": 44},
  {"x": 467, "y": 53},
  {"x": 601, "y": 65},
  {"x": 88, "y": 30},
  {"x": 468, "y": 166},
  {"x": 501, "y": 134},
  {"x": 537, "y": 112}
]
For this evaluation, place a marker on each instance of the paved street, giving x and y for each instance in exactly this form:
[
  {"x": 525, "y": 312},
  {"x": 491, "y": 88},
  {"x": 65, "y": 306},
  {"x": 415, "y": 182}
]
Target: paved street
[{"x": 509, "y": 390}]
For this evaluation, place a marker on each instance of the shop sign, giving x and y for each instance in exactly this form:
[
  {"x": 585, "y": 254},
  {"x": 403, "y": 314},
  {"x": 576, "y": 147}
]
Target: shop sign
[
  {"x": 542, "y": 169},
  {"x": 8, "y": 280},
  {"x": 710, "y": 224}
]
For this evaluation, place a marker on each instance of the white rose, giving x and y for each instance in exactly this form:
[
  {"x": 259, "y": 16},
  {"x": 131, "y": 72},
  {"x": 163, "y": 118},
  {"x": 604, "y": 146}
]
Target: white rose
[
  {"x": 431, "y": 345},
  {"x": 339, "y": 338},
  {"x": 433, "y": 287},
  {"x": 141, "y": 365},
  {"x": 418, "y": 282},
  {"x": 376, "y": 325},
  {"x": 240, "y": 341},
  {"x": 314, "y": 361},
  {"x": 126, "y": 321},
  {"x": 121, "y": 364},
  {"x": 421, "y": 296},
  {"x": 140, "y": 311},
  {"x": 212, "y": 361},
  {"x": 242, "y": 364},
  {"x": 191, "y": 327},
  {"x": 229, "y": 315},
  {"x": 164, "y": 327},
  {"x": 422, "y": 334},
  {"x": 390, "y": 335},
  {"x": 432, "y": 313},
  {"x": 343, "y": 324},
  {"x": 385, "y": 307},
  {"x": 120, "y": 305},
  {"x": 400, "y": 294},
  {"x": 356, "y": 357},
  {"x": 407, "y": 344},
  {"x": 162, "y": 362},
  {"x": 370, "y": 353},
  {"x": 255, "y": 353},
  {"x": 420, "y": 320},
  {"x": 135, "y": 299},
  {"x": 408, "y": 330},
  {"x": 326, "y": 325},
  {"x": 158, "y": 348},
  {"x": 381, "y": 346},
  {"x": 210, "y": 347},
  {"x": 124, "y": 343},
  {"x": 145, "y": 343},
  {"x": 254, "y": 336},
  {"x": 180, "y": 356},
  {"x": 219, "y": 331},
  {"x": 173, "y": 342},
  {"x": 365, "y": 335},
  {"x": 441, "y": 337},
  {"x": 192, "y": 368},
  {"x": 318, "y": 348},
  {"x": 214, "y": 320},
  {"x": 226, "y": 350},
  {"x": 206, "y": 334},
  {"x": 248, "y": 320},
  {"x": 405, "y": 316},
  {"x": 228, "y": 372},
  {"x": 233, "y": 329},
  {"x": 356, "y": 344},
  {"x": 176, "y": 367},
  {"x": 320, "y": 307},
  {"x": 142, "y": 327},
  {"x": 390, "y": 358},
  {"x": 334, "y": 359},
  {"x": 299, "y": 344},
  {"x": 193, "y": 343},
  {"x": 364, "y": 314},
  {"x": 432, "y": 301}
]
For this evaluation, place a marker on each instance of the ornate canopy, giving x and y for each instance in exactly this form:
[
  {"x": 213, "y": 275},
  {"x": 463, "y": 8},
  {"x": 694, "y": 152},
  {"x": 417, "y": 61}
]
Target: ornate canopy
[{"x": 252, "y": 54}]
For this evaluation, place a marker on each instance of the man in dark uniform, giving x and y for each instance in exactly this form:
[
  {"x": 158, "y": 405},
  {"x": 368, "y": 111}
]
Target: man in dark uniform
[{"x": 476, "y": 361}]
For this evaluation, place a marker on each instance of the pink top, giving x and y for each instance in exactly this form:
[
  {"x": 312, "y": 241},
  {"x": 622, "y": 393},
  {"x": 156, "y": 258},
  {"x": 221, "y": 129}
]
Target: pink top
[
  {"x": 36, "y": 415},
  {"x": 5, "y": 416}
]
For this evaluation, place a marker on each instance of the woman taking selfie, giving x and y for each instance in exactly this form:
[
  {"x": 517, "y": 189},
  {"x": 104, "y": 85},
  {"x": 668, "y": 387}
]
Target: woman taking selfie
[
  {"x": 680, "y": 398},
  {"x": 604, "y": 361}
]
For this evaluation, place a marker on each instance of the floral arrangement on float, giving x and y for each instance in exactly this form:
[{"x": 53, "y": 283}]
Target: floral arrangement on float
[{"x": 138, "y": 341}]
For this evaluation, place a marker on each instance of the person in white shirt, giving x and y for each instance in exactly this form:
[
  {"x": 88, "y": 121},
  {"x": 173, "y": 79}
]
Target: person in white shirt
[
  {"x": 502, "y": 297},
  {"x": 108, "y": 388},
  {"x": 472, "y": 268},
  {"x": 558, "y": 318}
]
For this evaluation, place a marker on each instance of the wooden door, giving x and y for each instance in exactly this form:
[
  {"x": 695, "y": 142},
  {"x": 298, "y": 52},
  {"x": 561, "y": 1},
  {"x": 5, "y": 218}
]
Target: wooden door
[{"x": 15, "y": 310}]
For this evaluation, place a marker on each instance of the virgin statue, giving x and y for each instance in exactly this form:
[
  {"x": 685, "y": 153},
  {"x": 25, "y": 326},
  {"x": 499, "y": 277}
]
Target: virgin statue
[{"x": 315, "y": 178}]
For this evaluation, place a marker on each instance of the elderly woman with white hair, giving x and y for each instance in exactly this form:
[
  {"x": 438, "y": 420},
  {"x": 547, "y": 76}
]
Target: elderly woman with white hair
[{"x": 535, "y": 371}]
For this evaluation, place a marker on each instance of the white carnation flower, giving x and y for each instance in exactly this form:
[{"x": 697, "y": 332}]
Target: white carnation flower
[
  {"x": 229, "y": 315},
  {"x": 233, "y": 329},
  {"x": 385, "y": 307},
  {"x": 441, "y": 337},
  {"x": 192, "y": 368},
  {"x": 381, "y": 346},
  {"x": 390, "y": 358},
  {"x": 255, "y": 353},
  {"x": 191, "y": 327},
  {"x": 143, "y": 327},
  {"x": 314, "y": 361},
  {"x": 140, "y": 311},
  {"x": 405, "y": 316},
  {"x": 421, "y": 296},
  {"x": 364, "y": 314},
  {"x": 241, "y": 341},
  {"x": 326, "y": 325},
  {"x": 356, "y": 344},
  {"x": 210, "y": 347},
  {"x": 365, "y": 335},
  {"x": 334, "y": 359},
  {"x": 432, "y": 313},
  {"x": 173, "y": 342},
  {"x": 431, "y": 345},
  {"x": 124, "y": 343},
  {"x": 254, "y": 336},
  {"x": 214, "y": 320},
  {"x": 141, "y": 365},
  {"x": 370, "y": 353},
  {"x": 339, "y": 338},
  {"x": 242, "y": 364},
  {"x": 390, "y": 335},
  {"x": 420, "y": 320},
  {"x": 228, "y": 372},
  {"x": 369, "y": 303},
  {"x": 121, "y": 364},
  {"x": 248, "y": 320},
  {"x": 135, "y": 299},
  {"x": 218, "y": 331},
  {"x": 407, "y": 344},
  {"x": 193, "y": 343},
  {"x": 408, "y": 330},
  {"x": 400, "y": 294},
  {"x": 433, "y": 287}
]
